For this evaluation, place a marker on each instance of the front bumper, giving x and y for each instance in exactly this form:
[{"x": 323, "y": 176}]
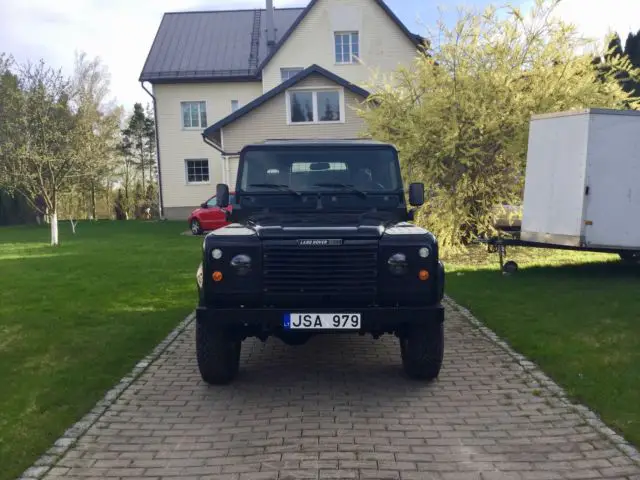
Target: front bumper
[{"x": 272, "y": 319}]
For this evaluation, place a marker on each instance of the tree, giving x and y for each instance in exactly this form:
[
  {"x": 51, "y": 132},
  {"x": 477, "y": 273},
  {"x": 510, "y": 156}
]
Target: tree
[
  {"x": 13, "y": 208},
  {"x": 632, "y": 51},
  {"x": 460, "y": 113},
  {"x": 140, "y": 133},
  {"x": 40, "y": 160},
  {"x": 55, "y": 135},
  {"x": 97, "y": 124},
  {"x": 150, "y": 132}
]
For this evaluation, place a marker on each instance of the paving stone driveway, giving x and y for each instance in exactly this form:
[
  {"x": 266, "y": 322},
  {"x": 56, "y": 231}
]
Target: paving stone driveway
[{"x": 340, "y": 408}]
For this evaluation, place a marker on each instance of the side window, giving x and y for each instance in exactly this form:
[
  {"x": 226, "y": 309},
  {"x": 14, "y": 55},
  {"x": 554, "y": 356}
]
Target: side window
[
  {"x": 212, "y": 202},
  {"x": 347, "y": 46},
  {"x": 194, "y": 114},
  {"x": 196, "y": 171}
]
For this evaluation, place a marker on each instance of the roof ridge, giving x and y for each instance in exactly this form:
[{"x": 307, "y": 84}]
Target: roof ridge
[{"x": 236, "y": 10}]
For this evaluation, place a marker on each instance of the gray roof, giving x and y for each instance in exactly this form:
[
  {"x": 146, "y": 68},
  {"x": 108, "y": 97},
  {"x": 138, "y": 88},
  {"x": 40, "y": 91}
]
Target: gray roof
[
  {"x": 224, "y": 44},
  {"x": 322, "y": 141},
  {"x": 210, "y": 45}
]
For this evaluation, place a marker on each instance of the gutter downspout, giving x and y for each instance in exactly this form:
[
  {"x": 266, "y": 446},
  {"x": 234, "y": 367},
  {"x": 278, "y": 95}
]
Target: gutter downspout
[
  {"x": 225, "y": 158},
  {"x": 155, "y": 118}
]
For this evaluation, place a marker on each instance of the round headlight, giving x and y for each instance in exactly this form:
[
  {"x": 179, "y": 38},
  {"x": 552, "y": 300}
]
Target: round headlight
[
  {"x": 242, "y": 264},
  {"x": 424, "y": 252},
  {"x": 398, "y": 264},
  {"x": 216, "y": 253}
]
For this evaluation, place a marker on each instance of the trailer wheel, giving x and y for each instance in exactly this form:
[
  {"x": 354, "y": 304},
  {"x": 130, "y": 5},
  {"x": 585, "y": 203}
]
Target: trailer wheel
[{"x": 510, "y": 267}]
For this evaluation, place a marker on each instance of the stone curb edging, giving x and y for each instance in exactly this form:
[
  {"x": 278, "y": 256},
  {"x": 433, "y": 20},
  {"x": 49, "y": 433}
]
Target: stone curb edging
[
  {"x": 530, "y": 368},
  {"x": 68, "y": 439}
]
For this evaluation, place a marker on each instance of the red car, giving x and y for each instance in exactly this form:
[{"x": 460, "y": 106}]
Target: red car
[{"x": 209, "y": 216}]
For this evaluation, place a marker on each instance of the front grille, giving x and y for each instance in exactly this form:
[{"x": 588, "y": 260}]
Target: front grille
[{"x": 348, "y": 270}]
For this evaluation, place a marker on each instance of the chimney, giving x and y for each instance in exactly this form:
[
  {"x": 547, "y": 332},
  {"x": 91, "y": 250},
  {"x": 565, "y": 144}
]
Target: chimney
[{"x": 271, "y": 28}]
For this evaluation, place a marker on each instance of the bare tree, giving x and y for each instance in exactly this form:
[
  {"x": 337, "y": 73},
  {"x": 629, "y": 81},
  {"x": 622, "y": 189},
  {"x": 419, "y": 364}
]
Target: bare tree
[
  {"x": 97, "y": 124},
  {"x": 41, "y": 160},
  {"x": 57, "y": 136}
]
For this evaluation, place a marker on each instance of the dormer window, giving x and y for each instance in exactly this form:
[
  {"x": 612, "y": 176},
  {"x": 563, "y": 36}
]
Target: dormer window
[
  {"x": 315, "y": 106},
  {"x": 347, "y": 47},
  {"x": 287, "y": 73}
]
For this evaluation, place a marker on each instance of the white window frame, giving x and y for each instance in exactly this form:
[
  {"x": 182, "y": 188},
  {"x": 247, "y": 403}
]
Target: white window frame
[
  {"x": 186, "y": 171},
  {"x": 235, "y": 105},
  {"x": 206, "y": 111},
  {"x": 314, "y": 91},
  {"x": 289, "y": 70},
  {"x": 352, "y": 58}
]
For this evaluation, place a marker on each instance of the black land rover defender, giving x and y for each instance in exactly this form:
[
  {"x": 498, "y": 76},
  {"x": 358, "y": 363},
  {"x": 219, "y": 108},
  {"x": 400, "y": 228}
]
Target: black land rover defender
[{"x": 319, "y": 242}]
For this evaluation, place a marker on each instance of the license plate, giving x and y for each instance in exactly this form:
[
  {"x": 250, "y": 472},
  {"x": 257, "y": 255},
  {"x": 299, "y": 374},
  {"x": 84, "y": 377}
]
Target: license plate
[{"x": 322, "y": 321}]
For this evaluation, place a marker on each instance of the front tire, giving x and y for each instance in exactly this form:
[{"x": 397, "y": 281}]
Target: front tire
[
  {"x": 196, "y": 228},
  {"x": 218, "y": 354},
  {"x": 422, "y": 351}
]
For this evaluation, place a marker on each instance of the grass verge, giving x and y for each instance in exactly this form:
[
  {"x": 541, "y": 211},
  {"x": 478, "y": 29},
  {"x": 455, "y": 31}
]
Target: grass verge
[
  {"x": 76, "y": 318},
  {"x": 575, "y": 314}
]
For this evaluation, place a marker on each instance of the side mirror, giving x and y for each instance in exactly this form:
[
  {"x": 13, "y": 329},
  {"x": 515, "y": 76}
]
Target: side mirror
[
  {"x": 222, "y": 195},
  {"x": 204, "y": 205},
  {"x": 416, "y": 194}
]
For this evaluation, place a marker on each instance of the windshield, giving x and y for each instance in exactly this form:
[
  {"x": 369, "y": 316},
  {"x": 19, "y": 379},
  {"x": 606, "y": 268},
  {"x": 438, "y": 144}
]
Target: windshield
[{"x": 349, "y": 169}]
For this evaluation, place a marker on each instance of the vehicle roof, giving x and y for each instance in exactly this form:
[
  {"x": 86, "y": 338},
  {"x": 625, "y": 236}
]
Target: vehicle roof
[{"x": 322, "y": 142}]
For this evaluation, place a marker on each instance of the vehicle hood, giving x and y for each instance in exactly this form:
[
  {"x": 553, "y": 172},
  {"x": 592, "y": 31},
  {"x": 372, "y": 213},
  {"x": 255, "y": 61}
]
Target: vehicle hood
[
  {"x": 196, "y": 212},
  {"x": 326, "y": 226}
]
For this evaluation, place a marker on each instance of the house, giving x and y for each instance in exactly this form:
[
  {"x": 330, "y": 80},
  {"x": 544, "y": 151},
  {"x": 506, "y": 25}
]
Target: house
[{"x": 222, "y": 79}]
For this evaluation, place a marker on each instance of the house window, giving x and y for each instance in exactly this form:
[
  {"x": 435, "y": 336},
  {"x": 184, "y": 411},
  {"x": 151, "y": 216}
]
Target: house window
[
  {"x": 234, "y": 105},
  {"x": 315, "y": 106},
  {"x": 347, "y": 47},
  {"x": 194, "y": 114},
  {"x": 287, "y": 73},
  {"x": 197, "y": 171}
]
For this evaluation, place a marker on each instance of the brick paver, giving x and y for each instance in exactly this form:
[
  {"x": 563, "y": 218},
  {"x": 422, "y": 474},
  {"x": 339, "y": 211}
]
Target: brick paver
[{"x": 339, "y": 407}]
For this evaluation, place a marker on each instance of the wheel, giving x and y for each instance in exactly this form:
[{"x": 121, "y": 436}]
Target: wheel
[
  {"x": 218, "y": 354},
  {"x": 422, "y": 351},
  {"x": 510, "y": 267},
  {"x": 196, "y": 229},
  {"x": 630, "y": 256},
  {"x": 199, "y": 278}
]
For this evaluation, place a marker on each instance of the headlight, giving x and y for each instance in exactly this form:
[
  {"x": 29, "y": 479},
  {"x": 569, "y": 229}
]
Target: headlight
[
  {"x": 398, "y": 264},
  {"x": 216, "y": 254},
  {"x": 242, "y": 264},
  {"x": 424, "y": 252}
]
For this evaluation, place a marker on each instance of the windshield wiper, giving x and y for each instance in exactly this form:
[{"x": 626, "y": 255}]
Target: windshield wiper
[
  {"x": 344, "y": 186},
  {"x": 275, "y": 186}
]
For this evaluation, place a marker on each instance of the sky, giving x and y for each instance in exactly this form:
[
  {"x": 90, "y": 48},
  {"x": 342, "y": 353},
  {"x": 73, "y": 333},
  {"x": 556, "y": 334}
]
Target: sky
[{"x": 120, "y": 32}]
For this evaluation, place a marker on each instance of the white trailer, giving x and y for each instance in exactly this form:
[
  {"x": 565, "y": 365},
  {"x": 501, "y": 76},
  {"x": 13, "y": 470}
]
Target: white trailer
[{"x": 582, "y": 184}]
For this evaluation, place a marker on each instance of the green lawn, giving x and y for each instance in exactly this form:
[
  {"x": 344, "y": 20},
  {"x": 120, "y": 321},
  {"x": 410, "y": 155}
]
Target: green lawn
[
  {"x": 575, "y": 314},
  {"x": 75, "y": 319}
]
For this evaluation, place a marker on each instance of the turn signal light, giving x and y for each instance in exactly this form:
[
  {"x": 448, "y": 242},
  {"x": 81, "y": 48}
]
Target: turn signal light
[
  {"x": 423, "y": 275},
  {"x": 217, "y": 276}
]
